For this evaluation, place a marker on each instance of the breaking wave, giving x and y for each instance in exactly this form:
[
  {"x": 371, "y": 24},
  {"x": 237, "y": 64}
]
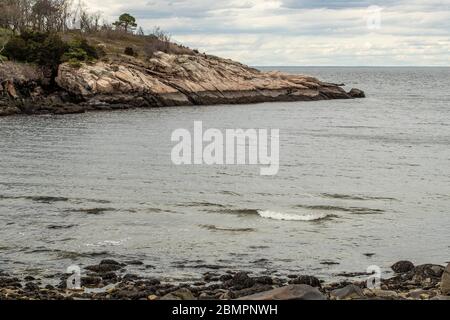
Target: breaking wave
[{"x": 293, "y": 217}]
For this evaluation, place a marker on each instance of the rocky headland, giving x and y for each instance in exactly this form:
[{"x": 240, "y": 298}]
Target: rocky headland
[
  {"x": 109, "y": 280},
  {"x": 120, "y": 81}
]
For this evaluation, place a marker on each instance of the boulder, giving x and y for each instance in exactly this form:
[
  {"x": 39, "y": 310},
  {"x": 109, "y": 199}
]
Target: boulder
[
  {"x": 384, "y": 294},
  {"x": 91, "y": 281},
  {"x": 103, "y": 268},
  {"x": 402, "y": 266},
  {"x": 309, "y": 280},
  {"x": 356, "y": 93},
  {"x": 427, "y": 274},
  {"x": 240, "y": 281},
  {"x": 350, "y": 292},
  {"x": 420, "y": 294},
  {"x": 445, "y": 281},
  {"x": 291, "y": 292},
  {"x": 180, "y": 294}
]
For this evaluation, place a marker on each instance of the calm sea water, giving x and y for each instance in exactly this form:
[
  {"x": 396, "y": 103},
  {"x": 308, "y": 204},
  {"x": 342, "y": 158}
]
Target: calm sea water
[{"x": 361, "y": 182}]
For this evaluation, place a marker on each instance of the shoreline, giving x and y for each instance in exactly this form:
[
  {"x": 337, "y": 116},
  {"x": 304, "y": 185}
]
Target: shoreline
[{"x": 109, "y": 280}]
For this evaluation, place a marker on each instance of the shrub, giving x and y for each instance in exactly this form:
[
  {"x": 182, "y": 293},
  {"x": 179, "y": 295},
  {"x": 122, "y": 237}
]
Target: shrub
[
  {"x": 129, "y": 51},
  {"x": 81, "y": 51},
  {"x": 5, "y": 35},
  {"x": 74, "y": 63},
  {"x": 45, "y": 49},
  {"x": 92, "y": 52},
  {"x": 16, "y": 49},
  {"x": 48, "y": 49},
  {"x": 75, "y": 54}
]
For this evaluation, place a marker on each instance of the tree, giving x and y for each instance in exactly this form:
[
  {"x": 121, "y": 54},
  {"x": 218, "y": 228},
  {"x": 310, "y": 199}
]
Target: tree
[
  {"x": 127, "y": 22},
  {"x": 140, "y": 32}
]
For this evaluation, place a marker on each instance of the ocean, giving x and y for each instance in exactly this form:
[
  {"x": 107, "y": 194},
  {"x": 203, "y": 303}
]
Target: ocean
[{"x": 361, "y": 182}]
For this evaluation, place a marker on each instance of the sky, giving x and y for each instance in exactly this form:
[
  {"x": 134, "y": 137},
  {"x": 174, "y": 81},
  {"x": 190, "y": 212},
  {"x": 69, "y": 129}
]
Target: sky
[{"x": 300, "y": 32}]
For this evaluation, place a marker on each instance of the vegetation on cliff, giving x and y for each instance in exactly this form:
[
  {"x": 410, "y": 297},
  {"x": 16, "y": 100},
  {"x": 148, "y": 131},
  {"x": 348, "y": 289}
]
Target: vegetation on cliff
[{"x": 48, "y": 32}]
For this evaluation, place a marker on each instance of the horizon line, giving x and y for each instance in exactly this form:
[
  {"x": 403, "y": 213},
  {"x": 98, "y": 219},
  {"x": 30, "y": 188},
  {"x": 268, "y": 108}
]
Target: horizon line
[{"x": 346, "y": 66}]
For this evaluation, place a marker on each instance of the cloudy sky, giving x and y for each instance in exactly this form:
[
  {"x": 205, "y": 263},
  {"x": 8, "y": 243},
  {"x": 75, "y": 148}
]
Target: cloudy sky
[{"x": 301, "y": 32}]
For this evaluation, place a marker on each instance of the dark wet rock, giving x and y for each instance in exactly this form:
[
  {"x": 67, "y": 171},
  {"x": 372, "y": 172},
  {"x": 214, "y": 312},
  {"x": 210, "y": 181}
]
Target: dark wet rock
[
  {"x": 93, "y": 211},
  {"x": 369, "y": 255},
  {"x": 309, "y": 280},
  {"x": 215, "y": 286},
  {"x": 134, "y": 262},
  {"x": 91, "y": 282},
  {"x": 445, "y": 281},
  {"x": 130, "y": 277},
  {"x": 240, "y": 281},
  {"x": 427, "y": 274},
  {"x": 58, "y": 227},
  {"x": 29, "y": 278},
  {"x": 151, "y": 281},
  {"x": 257, "y": 288},
  {"x": 264, "y": 280},
  {"x": 10, "y": 282},
  {"x": 209, "y": 266},
  {"x": 291, "y": 292},
  {"x": 30, "y": 286},
  {"x": 103, "y": 268},
  {"x": 110, "y": 262},
  {"x": 350, "y": 292},
  {"x": 110, "y": 276},
  {"x": 329, "y": 263},
  {"x": 180, "y": 294},
  {"x": 211, "y": 277},
  {"x": 402, "y": 266},
  {"x": 130, "y": 294},
  {"x": 352, "y": 274},
  {"x": 356, "y": 93},
  {"x": 225, "y": 277}
]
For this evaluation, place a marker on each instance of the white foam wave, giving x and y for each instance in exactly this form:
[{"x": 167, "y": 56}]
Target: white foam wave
[{"x": 291, "y": 217}]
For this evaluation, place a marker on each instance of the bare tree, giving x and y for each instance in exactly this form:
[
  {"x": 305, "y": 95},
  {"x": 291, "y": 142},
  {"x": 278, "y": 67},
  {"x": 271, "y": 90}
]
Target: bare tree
[{"x": 161, "y": 35}]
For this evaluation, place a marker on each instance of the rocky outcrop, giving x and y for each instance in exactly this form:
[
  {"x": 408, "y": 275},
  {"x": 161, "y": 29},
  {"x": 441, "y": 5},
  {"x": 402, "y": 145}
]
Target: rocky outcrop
[
  {"x": 445, "y": 281},
  {"x": 188, "y": 80},
  {"x": 164, "y": 80}
]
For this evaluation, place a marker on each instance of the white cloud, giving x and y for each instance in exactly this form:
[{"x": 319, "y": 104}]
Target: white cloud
[{"x": 300, "y": 32}]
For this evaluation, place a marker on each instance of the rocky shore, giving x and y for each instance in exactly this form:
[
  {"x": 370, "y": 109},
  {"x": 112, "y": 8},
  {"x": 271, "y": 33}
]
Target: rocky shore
[
  {"x": 109, "y": 280},
  {"x": 120, "y": 82}
]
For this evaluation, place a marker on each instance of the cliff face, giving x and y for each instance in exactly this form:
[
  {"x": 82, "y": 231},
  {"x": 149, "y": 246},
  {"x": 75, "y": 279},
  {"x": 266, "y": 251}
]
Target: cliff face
[{"x": 164, "y": 80}]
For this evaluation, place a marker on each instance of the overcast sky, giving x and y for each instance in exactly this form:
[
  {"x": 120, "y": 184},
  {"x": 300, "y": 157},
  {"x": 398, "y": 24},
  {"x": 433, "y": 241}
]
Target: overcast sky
[{"x": 301, "y": 32}]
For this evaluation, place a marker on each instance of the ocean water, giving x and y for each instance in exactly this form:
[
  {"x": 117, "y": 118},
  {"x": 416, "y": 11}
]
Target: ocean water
[{"x": 361, "y": 182}]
